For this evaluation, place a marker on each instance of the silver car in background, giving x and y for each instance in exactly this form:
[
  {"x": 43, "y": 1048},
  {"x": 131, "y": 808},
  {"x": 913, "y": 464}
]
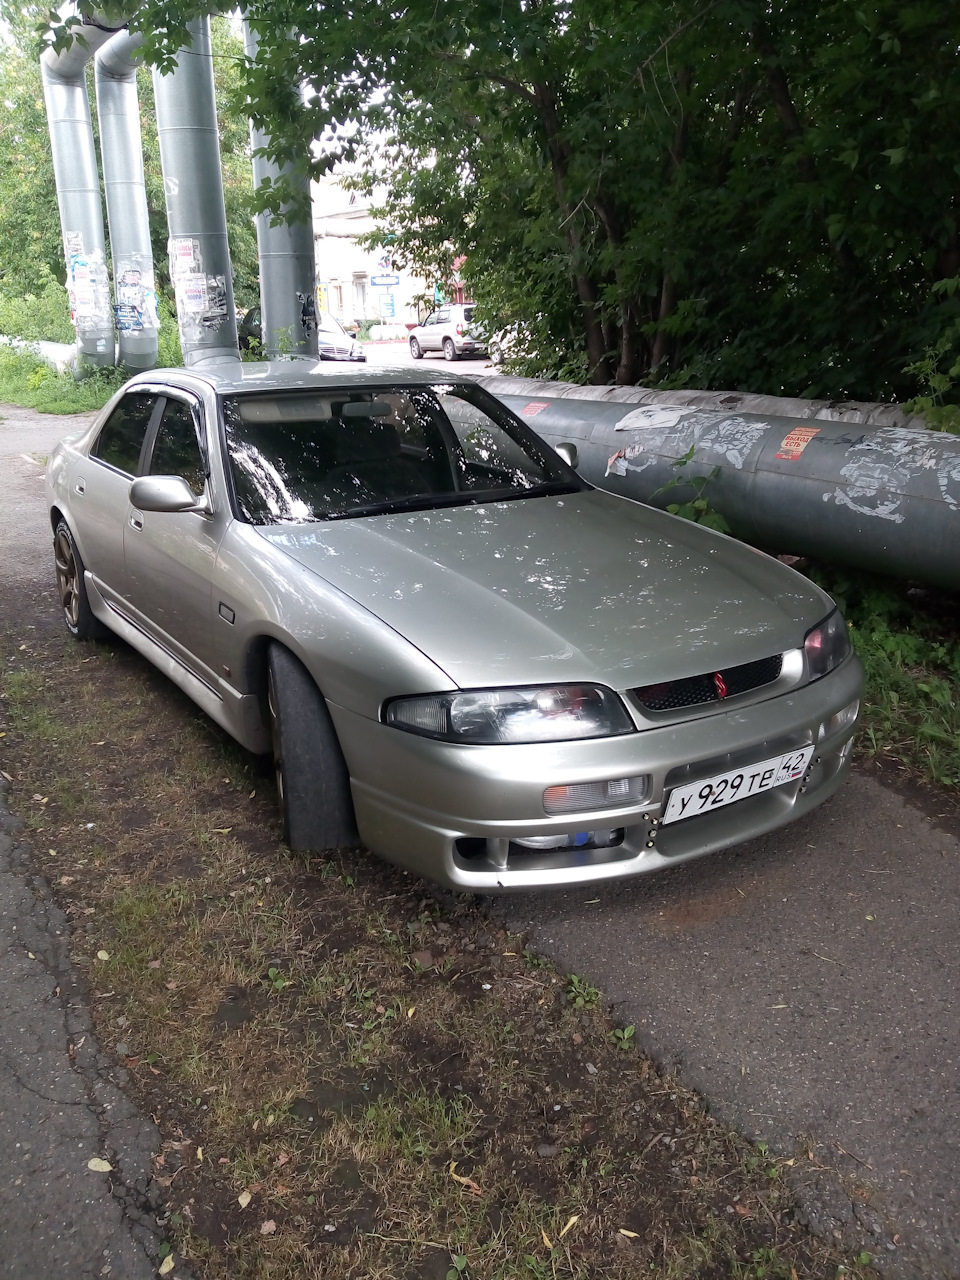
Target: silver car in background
[
  {"x": 456, "y": 649},
  {"x": 450, "y": 330}
]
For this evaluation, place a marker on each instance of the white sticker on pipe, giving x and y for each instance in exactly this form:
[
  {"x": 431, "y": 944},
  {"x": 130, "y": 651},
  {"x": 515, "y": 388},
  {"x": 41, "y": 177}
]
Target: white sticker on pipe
[{"x": 652, "y": 416}]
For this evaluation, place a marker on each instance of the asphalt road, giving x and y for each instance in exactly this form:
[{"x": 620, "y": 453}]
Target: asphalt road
[
  {"x": 61, "y": 1100},
  {"x": 805, "y": 983}
]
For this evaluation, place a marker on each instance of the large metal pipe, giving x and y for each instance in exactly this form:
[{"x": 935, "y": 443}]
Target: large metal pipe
[
  {"x": 200, "y": 266},
  {"x": 118, "y": 111},
  {"x": 288, "y": 276},
  {"x": 880, "y": 498},
  {"x": 78, "y": 192}
]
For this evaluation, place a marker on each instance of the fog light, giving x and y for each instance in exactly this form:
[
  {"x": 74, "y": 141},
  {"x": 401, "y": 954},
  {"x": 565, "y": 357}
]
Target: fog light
[
  {"x": 572, "y": 840},
  {"x": 842, "y": 720},
  {"x": 580, "y": 797}
]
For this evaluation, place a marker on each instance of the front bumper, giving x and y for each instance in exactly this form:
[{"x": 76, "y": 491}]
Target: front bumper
[{"x": 452, "y": 813}]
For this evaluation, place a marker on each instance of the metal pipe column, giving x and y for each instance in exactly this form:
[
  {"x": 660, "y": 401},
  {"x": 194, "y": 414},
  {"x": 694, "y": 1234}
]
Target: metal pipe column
[
  {"x": 288, "y": 275},
  {"x": 200, "y": 265},
  {"x": 78, "y": 193},
  {"x": 118, "y": 110}
]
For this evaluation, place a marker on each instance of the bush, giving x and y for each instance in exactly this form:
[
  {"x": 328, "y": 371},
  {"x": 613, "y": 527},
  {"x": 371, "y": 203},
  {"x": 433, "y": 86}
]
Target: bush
[
  {"x": 26, "y": 379},
  {"x": 37, "y": 317}
]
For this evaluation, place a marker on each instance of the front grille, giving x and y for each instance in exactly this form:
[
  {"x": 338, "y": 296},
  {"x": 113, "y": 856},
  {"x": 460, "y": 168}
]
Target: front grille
[{"x": 693, "y": 691}]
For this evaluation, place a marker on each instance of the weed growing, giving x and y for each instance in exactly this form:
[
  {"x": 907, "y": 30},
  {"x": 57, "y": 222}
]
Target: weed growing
[
  {"x": 354, "y": 1076},
  {"x": 28, "y": 380},
  {"x": 907, "y": 642}
]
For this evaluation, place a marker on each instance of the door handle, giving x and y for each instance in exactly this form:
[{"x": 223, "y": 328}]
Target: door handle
[
  {"x": 136, "y": 520},
  {"x": 81, "y": 486}
]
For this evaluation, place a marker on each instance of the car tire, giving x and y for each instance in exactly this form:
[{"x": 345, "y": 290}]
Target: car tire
[
  {"x": 313, "y": 784},
  {"x": 79, "y": 618},
  {"x": 496, "y": 353},
  {"x": 415, "y": 349},
  {"x": 449, "y": 350}
]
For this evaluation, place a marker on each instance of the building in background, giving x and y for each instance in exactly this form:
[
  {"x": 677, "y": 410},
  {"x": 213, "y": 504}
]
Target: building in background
[{"x": 355, "y": 283}]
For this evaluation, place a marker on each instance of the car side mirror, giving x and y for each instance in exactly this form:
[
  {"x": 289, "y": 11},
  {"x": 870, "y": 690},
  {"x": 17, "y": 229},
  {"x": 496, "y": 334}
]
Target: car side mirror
[
  {"x": 568, "y": 452},
  {"x": 164, "y": 493}
]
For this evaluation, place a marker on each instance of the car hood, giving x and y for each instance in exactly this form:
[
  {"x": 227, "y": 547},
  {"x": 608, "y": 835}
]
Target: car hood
[{"x": 587, "y": 586}]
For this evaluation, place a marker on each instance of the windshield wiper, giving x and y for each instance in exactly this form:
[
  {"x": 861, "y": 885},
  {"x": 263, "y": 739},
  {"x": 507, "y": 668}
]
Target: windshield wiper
[
  {"x": 425, "y": 502},
  {"x": 466, "y": 498}
]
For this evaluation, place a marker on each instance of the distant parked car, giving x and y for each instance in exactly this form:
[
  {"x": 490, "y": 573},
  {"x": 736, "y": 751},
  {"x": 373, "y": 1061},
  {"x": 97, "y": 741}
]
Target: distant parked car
[
  {"x": 501, "y": 344},
  {"x": 450, "y": 329},
  {"x": 333, "y": 341}
]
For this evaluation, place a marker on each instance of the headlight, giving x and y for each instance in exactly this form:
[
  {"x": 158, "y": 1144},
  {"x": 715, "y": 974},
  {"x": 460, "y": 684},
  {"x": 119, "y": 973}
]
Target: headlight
[
  {"x": 826, "y": 645},
  {"x": 558, "y": 713}
]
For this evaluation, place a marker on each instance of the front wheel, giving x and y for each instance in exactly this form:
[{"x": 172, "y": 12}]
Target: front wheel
[
  {"x": 313, "y": 785},
  {"x": 449, "y": 350},
  {"x": 415, "y": 349},
  {"x": 77, "y": 614}
]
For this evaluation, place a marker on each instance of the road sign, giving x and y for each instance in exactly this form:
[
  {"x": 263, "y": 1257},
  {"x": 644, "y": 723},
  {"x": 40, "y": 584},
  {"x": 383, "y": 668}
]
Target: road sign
[{"x": 385, "y": 282}]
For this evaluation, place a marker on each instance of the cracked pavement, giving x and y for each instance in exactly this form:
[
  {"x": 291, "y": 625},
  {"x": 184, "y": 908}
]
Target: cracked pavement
[{"x": 61, "y": 1100}]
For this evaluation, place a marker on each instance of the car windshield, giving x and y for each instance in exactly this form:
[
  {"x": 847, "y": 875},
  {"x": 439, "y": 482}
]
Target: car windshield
[
  {"x": 327, "y": 323},
  {"x": 301, "y": 456}
]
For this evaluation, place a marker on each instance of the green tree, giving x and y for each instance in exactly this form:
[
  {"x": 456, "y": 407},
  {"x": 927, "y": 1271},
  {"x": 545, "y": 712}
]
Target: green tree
[
  {"x": 31, "y": 246},
  {"x": 725, "y": 193}
]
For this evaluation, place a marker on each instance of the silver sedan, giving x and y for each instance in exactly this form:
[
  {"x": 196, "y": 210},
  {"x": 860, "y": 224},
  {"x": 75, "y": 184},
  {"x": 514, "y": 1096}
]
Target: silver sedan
[{"x": 457, "y": 650}]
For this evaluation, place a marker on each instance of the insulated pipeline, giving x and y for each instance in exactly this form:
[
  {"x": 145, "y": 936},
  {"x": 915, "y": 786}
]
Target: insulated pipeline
[{"x": 883, "y": 498}]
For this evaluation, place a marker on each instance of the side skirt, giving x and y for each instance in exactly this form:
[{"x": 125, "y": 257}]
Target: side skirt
[{"x": 238, "y": 713}]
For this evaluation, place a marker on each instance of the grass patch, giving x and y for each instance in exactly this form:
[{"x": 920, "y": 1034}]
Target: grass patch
[
  {"x": 354, "y": 1075},
  {"x": 27, "y": 380},
  {"x": 907, "y": 642}
]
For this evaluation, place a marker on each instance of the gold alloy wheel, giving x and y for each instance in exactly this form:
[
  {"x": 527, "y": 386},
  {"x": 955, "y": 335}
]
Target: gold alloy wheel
[{"x": 68, "y": 580}]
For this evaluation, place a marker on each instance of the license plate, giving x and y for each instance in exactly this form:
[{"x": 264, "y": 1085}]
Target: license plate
[{"x": 727, "y": 788}]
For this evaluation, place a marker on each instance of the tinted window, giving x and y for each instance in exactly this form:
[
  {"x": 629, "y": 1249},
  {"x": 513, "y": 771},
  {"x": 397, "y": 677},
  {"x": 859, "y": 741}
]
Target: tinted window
[
  {"x": 468, "y": 314},
  {"x": 325, "y": 455},
  {"x": 176, "y": 451},
  {"x": 120, "y": 441}
]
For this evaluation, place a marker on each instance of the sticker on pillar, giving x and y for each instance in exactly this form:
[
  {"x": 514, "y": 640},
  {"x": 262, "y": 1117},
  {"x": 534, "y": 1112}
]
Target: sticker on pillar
[
  {"x": 793, "y": 444},
  {"x": 185, "y": 258},
  {"x": 88, "y": 288},
  {"x": 533, "y": 408},
  {"x": 136, "y": 298},
  {"x": 216, "y": 308},
  {"x": 201, "y": 303},
  {"x": 308, "y": 313}
]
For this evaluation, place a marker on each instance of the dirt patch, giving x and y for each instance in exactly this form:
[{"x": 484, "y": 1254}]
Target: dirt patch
[{"x": 355, "y": 1075}]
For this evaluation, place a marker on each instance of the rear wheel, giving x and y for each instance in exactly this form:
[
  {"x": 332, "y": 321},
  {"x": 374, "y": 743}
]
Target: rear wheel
[
  {"x": 415, "y": 349},
  {"x": 449, "y": 350},
  {"x": 313, "y": 785},
  {"x": 77, "y": 614}
]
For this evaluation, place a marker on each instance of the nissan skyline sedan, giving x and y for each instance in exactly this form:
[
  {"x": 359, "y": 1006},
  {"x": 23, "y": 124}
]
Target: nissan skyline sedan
[{"x": 458, "y": 652}]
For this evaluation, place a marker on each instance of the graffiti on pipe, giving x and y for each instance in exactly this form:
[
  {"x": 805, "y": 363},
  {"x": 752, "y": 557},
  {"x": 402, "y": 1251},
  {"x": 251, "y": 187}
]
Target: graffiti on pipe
[
  {"x": 718, "y": 438},
  {"x": 891, "y": 463}
]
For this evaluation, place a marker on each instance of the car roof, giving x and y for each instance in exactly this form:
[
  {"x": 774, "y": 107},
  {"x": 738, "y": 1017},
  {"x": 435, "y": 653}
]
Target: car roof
[{"x": 232, "y": 377}]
